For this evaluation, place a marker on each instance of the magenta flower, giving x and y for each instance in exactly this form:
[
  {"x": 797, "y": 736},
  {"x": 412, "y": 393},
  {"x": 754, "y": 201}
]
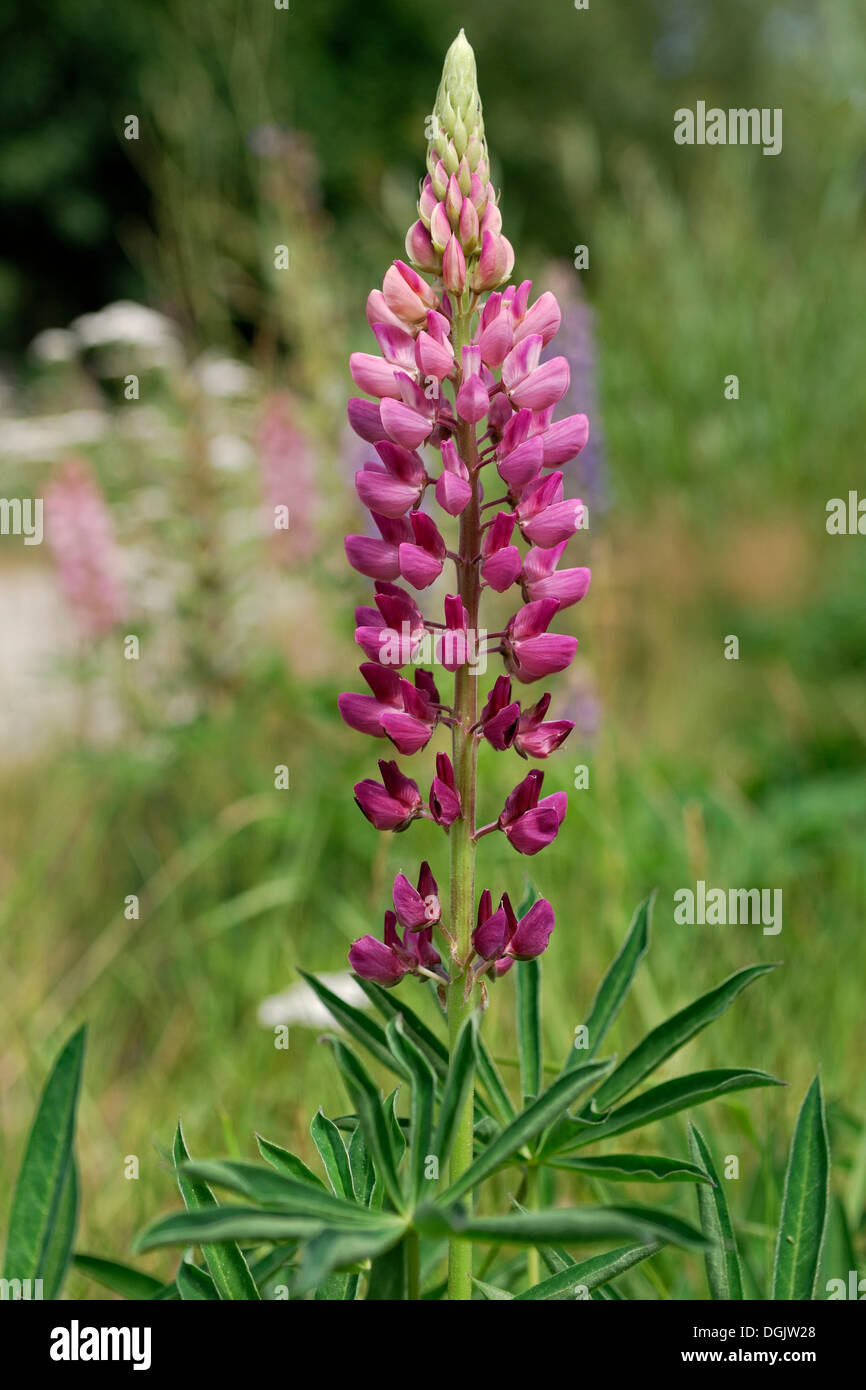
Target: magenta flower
[
  {"x": 417, "y": 907},
  {"x": 458, "y": 397},
  {"x": 531, "y": 652},
  {"x": 391, "y": 804},
  {"x": 444, "y": 799},
  {"x": 530, "y": 824}
]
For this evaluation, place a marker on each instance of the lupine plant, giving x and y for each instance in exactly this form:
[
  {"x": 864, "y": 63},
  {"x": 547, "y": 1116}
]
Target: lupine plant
[{"x": 411, "y": 1182}]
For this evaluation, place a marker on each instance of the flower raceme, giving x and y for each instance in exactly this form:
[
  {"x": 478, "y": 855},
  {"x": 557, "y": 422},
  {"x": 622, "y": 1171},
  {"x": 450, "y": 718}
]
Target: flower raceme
[{"x": 459, "y": 398}]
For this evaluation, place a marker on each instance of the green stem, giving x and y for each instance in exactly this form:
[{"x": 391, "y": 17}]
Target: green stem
[
  {"x": 413, "y": 1266},
  {"x": 533, "y": 1263},
  {"x": 460, "y": 1001}
]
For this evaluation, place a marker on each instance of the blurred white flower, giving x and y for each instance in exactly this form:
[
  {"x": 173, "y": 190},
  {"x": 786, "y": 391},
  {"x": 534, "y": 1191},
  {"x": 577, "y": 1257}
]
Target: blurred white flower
[
  {"x": 299, "y": 1004},
  {"x": 126, "y": 322},
  {"x": 230, "y": 453},
  {"x": 45, "y": 436},
  {"x": 223, "y": 377},
  {"x": 54, "y": 345}
]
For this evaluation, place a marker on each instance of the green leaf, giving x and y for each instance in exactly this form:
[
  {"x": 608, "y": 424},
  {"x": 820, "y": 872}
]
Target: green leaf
[
  {"x": 59, "y": 1252},
  {"x": 491, "y": 1293},
  {"x": 389, "y": 1273},
  {"x": 422, "y": 1092},
  {"x": 128, "y": 1282},
  {"x": 361, "y": 1164},
  {"x": 567, "y": 1224},
  {"x": 224, "y": 1223},
  {"x": 331, "y": 1248},
  {"x": 228, "y": 1268},
  {"x": 548, "y": 1107},
  {"x": 724, "y": 1275},
  {"x": 456, "y": 1089},
  {"x": 42, "y": 1220},
  {"x": 363, "y": 1029},
  {"x": 633, "y": 1168},
  {"x": 679, "y": 1094},
  {"x": 615, "y": 985},
  {"x": 332, "y": 1151},
  {"x": 494, "y": 1086},
  {"x": 433, "y": 1048},
  {"x": 805, "y": 1203},
  {"x": 377, "y": 1131},
  {"x": 529, "y": 1027},
  {"x": 590, "y": 1274},
  {"x": 275, "y": 1191},
  {"x": 287, "y": 1163},
  {"x": 673, "y": 1034},
  {"x": 195, "y": 1285}
]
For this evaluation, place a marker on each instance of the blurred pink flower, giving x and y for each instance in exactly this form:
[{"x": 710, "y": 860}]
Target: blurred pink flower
[
  {"x": 81, "y": 539},
  {"x": 288, "y": 479}
]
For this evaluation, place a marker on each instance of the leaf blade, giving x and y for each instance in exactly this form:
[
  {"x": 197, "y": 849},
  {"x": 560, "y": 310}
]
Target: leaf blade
[{"x": 805, "y": 1203}]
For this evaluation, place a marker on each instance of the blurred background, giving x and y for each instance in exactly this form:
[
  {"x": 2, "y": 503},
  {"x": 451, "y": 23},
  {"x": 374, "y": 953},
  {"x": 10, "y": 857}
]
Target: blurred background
[{"x": 161, "y": 384}]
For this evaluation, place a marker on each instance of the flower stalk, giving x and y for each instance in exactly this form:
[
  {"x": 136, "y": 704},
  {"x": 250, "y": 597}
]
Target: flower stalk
[{"x": 460, "y": 372}]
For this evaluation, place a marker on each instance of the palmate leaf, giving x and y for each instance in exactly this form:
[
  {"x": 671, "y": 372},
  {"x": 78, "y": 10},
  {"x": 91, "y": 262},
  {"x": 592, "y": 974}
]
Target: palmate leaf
[
  {"x": 44, "y": 1208},
  {"x": 530, "y": 1122},
  {"x": 421, "y": 1102},
  {"x": 373, "y": 1119},
  {"x": 225, "y": 1261},
  {"x": 615, "y": 985},
  {"x": 570, "y": 1225},
  {"x": 195, "y": 1285},
  {"x": 333, "y": 1153},
  {"x": 805, "y": 1203},
  {"x": 591, "y": 1274},
  {"x": 529, "y": 1026},
  {"x": 287, "y": 1163},
  {"x": 120, "y": 1278},
  {"x": 666, "y": 1099},
  {"x": 724, "y": 1274},
  {"x": 363, "y": 1029},
  {"x": 633, "y": 1168},
  {"x": 224, "y": 1223},
  {"x": 671, "y": 1035},
  {"x": 275, "y": 1191},
  {"x": 331, "y": 1248},
  {"x": 456, "y": 1088}
]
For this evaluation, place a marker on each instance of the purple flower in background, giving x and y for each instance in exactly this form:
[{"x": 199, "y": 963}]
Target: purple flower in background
[
  {"x": 577, "y": 342},
  {"x": 288, "y": 480}
]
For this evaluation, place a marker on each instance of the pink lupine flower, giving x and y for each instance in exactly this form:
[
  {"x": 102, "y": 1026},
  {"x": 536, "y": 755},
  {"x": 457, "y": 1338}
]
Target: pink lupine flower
[
  {"x": 530, "y": 824},
  {"x": 379, "y": 559},
  {"x": 391, "y": 804},
  {"x": 392, "y": 632},
  {"x": 465, "y": 367},
  {"x": 421, "y": 559},
  {"x": 544, "y": 517},
  {"x": 444, "y": 799},
  {"x": 81, "y": 537},
  {"x": 500, "y": 716},
  {"x": 501, "y": 561},
  {"x": 453, "y": 488},
  {"x": 531, "y": 652},
  {"x": 453, "y": 648},
  {"x": 541, "y": 578},
  {"x": 394, "y": 486},
  {"x": 536, "y": 738},
  {"x": 417, "y": 907},
  {"x": 500, "y": 935}
]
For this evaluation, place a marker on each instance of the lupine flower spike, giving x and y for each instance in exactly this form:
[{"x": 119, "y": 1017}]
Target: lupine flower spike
[{"x": 459, "y": 396}]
